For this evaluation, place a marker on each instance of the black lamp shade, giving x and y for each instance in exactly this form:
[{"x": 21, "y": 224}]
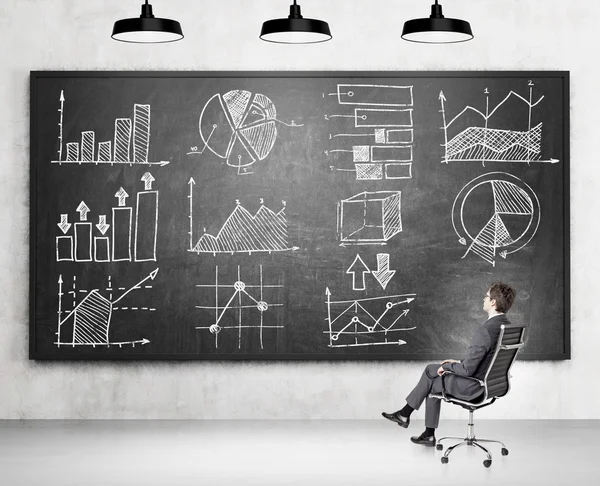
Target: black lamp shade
[
  {"x": 437, "y": 29},
  {"x": 295, "y": 29},
  {"x": 147, "y": 29}
]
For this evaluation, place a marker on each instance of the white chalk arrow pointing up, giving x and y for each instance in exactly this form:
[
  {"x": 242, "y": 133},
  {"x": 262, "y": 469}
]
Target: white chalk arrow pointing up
[
  {"x": 64, "y": 224},
  {"x": 83, "y": 210},
  {"x": 102, "y": 226},
  {"x": 383, "y": 274},
  {"x": 358, "y": 267},
  {"x": 147, "y": 178},
  {"x": 122, "y": 195}
]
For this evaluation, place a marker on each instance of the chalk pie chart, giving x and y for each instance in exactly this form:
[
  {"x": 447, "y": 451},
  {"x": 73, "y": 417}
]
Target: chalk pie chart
[
  {"x": 239, "y": 126},
  {"x": 496, "y": 212}
]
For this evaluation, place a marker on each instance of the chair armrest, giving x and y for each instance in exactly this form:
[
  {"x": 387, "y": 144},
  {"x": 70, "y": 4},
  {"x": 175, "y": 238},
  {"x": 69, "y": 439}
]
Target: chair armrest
[
  {"x": 467, "y": 377},
  {"x": 453, "y": 373}
]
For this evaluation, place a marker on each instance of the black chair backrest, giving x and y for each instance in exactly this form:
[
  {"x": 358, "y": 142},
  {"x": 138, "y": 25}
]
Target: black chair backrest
[{"x": 497, "y": 378}]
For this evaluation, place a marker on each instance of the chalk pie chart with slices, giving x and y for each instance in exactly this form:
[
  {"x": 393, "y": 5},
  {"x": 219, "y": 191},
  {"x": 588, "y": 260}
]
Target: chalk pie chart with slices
[
  {"x": 495, "y": 214},
  {"x": 239, "y": 126}
]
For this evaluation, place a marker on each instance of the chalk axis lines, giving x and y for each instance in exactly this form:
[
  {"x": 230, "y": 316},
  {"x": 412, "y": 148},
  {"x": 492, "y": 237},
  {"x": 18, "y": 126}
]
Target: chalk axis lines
[{"x": 247, "y": 298}]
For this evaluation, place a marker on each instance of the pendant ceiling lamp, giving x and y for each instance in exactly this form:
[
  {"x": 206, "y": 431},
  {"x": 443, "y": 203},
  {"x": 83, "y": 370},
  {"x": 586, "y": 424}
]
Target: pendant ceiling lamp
[
  {"x": 437, "y": 29},
  {"x": 295, "y": 29},
  {"x": 147, "y": 29}
]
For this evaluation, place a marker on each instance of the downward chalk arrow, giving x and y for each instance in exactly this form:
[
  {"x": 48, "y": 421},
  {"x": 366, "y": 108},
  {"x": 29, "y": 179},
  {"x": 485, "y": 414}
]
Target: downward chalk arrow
[
  {"x": 358, "y": 267},
  {"x": 147, "y": 178},
  {"x": 383, "y": 274},
  {"x": 64, "y": 224},
  {"x": 83, "y": 210},
  {"x": 122, "y": 195},
  {"x": 102, "y": 226}
]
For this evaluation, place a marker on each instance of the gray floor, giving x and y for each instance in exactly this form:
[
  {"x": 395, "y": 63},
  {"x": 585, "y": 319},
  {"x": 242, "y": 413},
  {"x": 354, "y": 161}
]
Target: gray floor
[{"x": 363, "y": 452}]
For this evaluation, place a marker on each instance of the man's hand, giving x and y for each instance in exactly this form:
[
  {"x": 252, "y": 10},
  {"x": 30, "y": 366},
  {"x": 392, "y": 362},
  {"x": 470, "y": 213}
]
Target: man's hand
[
  {"x": 450, "y": 361},
  {"x": 441, "y": 370}
]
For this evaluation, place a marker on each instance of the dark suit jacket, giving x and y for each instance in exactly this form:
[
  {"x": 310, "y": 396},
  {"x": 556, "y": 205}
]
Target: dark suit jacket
[{"x": 480, "y": 353}]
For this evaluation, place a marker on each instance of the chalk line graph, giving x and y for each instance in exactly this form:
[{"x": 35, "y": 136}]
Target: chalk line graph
[
  {"x": 241, "y": 301},
  {"x": 367, "y": 322},
  {"x": 89, "y": 322},
  {"x": 486, "y": 144}
]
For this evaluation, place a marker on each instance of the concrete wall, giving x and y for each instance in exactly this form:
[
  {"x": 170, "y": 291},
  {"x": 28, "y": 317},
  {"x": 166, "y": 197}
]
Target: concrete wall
[{"x": 223, "y": 35}]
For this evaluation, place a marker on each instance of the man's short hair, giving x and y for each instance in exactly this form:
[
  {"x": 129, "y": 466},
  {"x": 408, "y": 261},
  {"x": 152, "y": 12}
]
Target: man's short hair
[{"x": 503, "y": 294}]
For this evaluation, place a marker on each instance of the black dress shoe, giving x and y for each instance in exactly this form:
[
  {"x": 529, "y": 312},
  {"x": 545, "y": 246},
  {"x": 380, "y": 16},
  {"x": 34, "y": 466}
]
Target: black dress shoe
[
  {"x": 396, "y": 417},
  {"x": 424, "y": 440}
]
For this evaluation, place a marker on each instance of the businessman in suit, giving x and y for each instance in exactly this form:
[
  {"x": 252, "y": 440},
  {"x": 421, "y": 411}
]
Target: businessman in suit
[{"x": 496, "y": 303}]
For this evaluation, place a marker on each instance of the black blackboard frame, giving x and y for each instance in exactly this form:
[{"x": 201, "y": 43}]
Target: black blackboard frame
[{"x": 35, "y": 354}]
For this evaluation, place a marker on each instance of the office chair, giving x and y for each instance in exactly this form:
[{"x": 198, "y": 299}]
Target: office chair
[{"x": 496, "y": 384}]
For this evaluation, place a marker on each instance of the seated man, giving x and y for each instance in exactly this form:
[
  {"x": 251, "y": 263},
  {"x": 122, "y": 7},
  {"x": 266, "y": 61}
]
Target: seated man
[{"x": 497, "y": 301}]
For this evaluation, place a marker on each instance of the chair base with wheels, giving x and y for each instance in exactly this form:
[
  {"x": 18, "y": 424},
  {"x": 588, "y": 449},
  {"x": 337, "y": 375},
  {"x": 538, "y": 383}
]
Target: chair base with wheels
[
  {"x": 470, "y": 440},
  {"x": 495, "y": 384}
]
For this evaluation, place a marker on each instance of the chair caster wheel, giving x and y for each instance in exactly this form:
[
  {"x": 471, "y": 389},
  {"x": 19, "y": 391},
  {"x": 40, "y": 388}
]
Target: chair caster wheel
[
  {"x": 439, "y": 447},
  {"x": 487, "y": 463},
  {"x": 504, "y": 451},
  {"x": 444, "y": 460}
]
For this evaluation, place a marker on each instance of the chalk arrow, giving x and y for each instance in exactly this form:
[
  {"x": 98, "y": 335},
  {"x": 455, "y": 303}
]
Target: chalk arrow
[
  {"x": 102, "y": 226},
  {"x": 358, "y": 267},
  {"x": 147, "y": 178},
  {"x": 503, "y": 254},
  {"x": 122, "y": 195},
  {"x": 462, "y": 241},
  {"x": 83, "y": 210},
  {"x": 64, "y": 224},
  {"x": 145, "y": 341},
  {"x": 383, "y": 274}
]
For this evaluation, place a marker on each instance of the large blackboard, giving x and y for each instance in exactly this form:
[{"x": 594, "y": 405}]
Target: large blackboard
[{"x": 295, "y": 215}]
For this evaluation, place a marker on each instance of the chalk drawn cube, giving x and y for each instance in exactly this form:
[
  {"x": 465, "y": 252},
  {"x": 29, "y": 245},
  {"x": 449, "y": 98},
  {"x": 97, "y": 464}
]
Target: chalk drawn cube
[{"x": 370, "y": 217}]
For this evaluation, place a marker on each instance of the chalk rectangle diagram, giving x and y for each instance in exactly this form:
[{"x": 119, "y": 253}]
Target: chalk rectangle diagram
[
  {"x": 374, "y": 94},
  {"x": 83, "y": 242},
  {"x": 122, "y": 139},
  {"x": 391, "y": 153},
  {"x": 370, "y": 217},
  {"x": 121, "y": 234},
  {"x": 64, "y": 248},
  {"x": 369, "y": 172},
  {"x": 398, "y": 170},
  {"x": 104, "y": 151},
  {"x": 401, "y": 135},
  {"x": 87, "y": 146},
  {"x": 377, "y": 118},
  {"x": 101, "y": 249},
  {"x": 72, "y": 151},
  {"x": 146, "y": 226},
  {"x": 141, "y": 133}
]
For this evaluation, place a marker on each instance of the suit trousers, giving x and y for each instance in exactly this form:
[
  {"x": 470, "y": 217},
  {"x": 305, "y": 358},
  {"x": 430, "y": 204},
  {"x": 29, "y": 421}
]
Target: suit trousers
[{"x": 430, "y": 382}]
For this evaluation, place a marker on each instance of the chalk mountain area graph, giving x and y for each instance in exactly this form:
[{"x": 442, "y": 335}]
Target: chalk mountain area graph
[
  {"x": 478, "y": 143},
  {"x": 266, "y": 231}
]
